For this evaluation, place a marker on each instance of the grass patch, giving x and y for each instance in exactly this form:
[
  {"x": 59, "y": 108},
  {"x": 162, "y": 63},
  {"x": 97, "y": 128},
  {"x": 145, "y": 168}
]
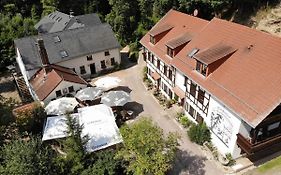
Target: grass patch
[{"x": 275, "y": 163}]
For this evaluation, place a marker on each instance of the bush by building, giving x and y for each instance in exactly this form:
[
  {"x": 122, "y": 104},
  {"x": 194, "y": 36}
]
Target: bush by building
[{"x": 199, "y": 133}]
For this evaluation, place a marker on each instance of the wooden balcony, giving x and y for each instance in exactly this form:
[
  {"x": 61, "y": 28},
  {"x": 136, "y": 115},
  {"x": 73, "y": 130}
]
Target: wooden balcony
[{"x": 261, "y": 148}]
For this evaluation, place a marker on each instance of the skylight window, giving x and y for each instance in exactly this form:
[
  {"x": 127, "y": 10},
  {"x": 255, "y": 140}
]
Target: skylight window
[
  {"x": 193, "y": 52},
  {"x": 57, "y": 39},
  {"x": 63, "y": 54}
]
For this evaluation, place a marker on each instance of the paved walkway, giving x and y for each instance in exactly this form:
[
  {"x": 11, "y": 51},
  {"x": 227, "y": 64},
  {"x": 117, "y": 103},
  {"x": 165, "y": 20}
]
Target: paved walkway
[{"x": 190, "y": 158}]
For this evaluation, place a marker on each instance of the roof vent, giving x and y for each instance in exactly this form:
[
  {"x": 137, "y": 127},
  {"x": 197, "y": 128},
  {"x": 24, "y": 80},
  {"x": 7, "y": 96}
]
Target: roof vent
[
  {"x": 250, "y": 46},
  {"x": 193, "y": 52},
  {"x": 63, "y": 54},
  {"x": 57, "y": 39},
  {"x": 71, "y": 14}
]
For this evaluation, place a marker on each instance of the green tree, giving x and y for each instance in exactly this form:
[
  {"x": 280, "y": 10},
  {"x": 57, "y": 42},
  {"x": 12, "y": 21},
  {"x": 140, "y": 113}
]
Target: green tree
[
  {"x": 26, "y": 157},
  {"x": 74, "y": 146},
  {"x": 104, "y": 162},
  {"x": 123, "y": 19},
  {"x": 6, "y": 107},
  {"x": 12, "y": 27},
  {"x": 49, "y": 6},
  {"x": 161, "y": 7},
  {"x": 31, "y": 119},
  {"x": 146, "y": 149}
]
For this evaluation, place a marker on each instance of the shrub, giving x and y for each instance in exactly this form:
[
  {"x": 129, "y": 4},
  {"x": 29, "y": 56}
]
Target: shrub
[
  {"x": 144, "y": 73},
  {"x": 230, "y": 159},
  {"x": 168, "y": 103},
  {"x": 185, "y": 122},
  {"x": 199, "y": 133},
  {"x": 176, "y": 98},
  {"x": 31, "y": 119}
]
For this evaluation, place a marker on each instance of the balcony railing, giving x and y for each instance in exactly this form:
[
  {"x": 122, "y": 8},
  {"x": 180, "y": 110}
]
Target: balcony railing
[{"x": 251, "y": 149}]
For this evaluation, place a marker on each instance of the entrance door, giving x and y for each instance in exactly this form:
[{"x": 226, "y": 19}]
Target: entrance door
[{"x": 93, "y": 68}]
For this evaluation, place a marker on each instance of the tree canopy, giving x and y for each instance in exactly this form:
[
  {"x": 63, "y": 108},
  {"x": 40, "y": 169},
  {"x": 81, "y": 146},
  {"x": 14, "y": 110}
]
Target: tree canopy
[
  {"x": 26, "y": 157},
  {"x": 146, "y": 149}
]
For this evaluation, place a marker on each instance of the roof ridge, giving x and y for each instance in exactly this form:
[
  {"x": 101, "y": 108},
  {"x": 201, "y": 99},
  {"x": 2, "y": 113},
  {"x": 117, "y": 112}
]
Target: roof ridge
[{"x": 63, "y": 31}]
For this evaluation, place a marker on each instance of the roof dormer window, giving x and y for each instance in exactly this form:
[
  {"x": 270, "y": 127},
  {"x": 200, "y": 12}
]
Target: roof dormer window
[
  {"x": 175, "y": 45},
  {"x": 158, "y": 32},
  {"x": 201, "y": 68},
  {"x": 152, "y": 39},
  {"x": 208, "y": 60},
  {"x": 170, "y": 52}
]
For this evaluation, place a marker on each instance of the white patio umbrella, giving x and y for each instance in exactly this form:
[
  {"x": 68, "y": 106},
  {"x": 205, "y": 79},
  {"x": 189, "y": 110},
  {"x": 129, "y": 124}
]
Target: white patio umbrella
[
  {"x": 89, "y": 93},
  {"x": 116, "y": 98},
  {"x": 107, "y": 82},
  {"x": 61, "y": 106}
]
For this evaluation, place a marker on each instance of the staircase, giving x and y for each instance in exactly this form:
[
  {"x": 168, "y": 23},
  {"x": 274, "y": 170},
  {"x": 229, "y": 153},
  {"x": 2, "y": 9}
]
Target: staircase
[{"x": 22, "y": 88}]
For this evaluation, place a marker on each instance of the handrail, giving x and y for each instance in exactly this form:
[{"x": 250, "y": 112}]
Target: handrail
[{"x": 250, "y": 148}]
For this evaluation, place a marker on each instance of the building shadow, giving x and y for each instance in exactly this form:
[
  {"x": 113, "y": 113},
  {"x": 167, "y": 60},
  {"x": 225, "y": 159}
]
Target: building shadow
[
  {"x": 187, "y": 163},
  {"x": 127, "y": 62},
  {"x": 122, "y": 88},
  {"x": 7, "y": 86}
]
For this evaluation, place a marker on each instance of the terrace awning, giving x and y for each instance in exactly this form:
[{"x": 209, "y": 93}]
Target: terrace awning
[
  {"x": 155, "y": 76},
  {"x": 116, "y": 98},
  {"x": 89, "y": 93},
  {"x": 180, "y": 93},
  {"x": 98, "y": 124}
]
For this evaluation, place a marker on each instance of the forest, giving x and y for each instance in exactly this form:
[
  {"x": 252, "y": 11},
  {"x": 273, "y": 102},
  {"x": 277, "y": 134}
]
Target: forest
[{"x": 130, "y": 20}]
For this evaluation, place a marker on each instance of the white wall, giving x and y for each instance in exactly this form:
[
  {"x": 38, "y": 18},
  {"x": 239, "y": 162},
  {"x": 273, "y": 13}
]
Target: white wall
[
  {"x": 97, "y": 57},
  {"x": 179, "y": 81},
  {"x": 82, "y": 61},
  {"x": 61, "y": 86},
  {"x": 224, "y": 132}
]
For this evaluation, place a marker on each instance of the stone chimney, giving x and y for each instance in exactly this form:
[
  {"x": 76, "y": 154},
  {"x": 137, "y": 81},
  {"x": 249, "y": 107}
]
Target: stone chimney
[{"x": 43, "y": 52}]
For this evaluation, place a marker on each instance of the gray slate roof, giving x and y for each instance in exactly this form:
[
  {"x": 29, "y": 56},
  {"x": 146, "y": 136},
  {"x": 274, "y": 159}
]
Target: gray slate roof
[
  {"x": 76, "y": 42},
  {"x": 58, "y": 21}
]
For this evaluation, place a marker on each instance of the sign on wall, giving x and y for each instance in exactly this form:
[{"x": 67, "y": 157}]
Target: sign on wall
[{"x": 221, "y": 125}]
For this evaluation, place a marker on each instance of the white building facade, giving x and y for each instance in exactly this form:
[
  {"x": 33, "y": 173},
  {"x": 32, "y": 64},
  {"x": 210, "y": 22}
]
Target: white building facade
[
  {"x": 64, "y": 88},
  {"x": 92, "y": 64}
]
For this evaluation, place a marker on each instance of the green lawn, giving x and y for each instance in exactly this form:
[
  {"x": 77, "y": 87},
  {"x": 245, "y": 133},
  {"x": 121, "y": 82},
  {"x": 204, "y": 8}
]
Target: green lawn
[{"x": 275, "y": 163}]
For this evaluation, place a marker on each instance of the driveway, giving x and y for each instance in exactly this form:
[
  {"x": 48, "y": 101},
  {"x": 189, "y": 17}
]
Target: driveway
[{"x": 190, "y": 158}]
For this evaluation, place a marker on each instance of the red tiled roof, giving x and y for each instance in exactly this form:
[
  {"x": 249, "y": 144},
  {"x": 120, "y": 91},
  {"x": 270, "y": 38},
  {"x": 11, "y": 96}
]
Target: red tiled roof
[
  {"x": 24, "y": 107},
  {"x": 182, "y": 23},
  {"x": 46, "y": 80},
  {"x": 248, "y": 82}
]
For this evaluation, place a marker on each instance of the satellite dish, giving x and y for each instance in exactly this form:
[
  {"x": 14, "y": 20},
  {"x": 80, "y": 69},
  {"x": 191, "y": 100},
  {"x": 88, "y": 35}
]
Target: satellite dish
[{"x": 195, "y": 12}]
